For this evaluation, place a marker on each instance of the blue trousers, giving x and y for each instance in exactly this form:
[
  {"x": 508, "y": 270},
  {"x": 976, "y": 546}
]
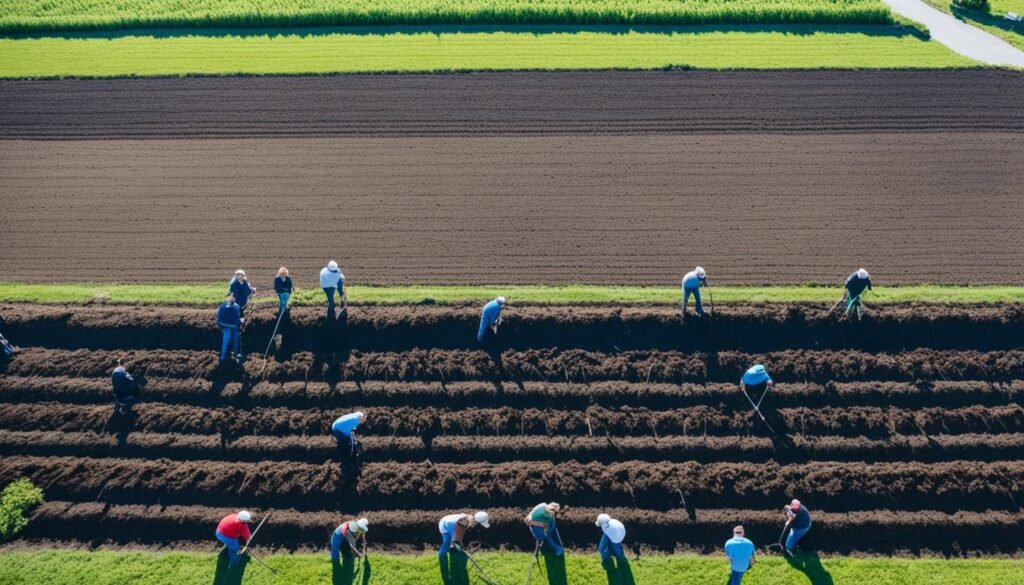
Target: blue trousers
[
  {"x": 696, "y": 299},
  {"x": 607, "y": 548},
  {"x": 446, "y": 543},
  {"x": 282, "y": 301},
  {"x": 232, "y": 546},
  {"x": 735, "y": 578},
  {"x": 230, "y": 336},
  {"x": 330, "y": 299},
  {"x": 551, "y": 538},
  {"x": 795, "y": 534},
  {"x": 339, "y": 546}
]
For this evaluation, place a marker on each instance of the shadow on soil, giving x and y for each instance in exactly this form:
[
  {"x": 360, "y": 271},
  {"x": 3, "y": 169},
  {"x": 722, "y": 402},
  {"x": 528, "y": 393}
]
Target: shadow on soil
[{"x": 879, "y": 30}]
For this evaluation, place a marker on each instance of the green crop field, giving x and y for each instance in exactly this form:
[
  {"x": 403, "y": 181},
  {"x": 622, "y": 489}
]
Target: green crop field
[
  {"x": 53, "y": 15},
  {"x": 992, "y": 21},
  {"x": 369, "y": 51},
  {"x": 205, "y": 294},
  {"x": 140, "y": 568}
]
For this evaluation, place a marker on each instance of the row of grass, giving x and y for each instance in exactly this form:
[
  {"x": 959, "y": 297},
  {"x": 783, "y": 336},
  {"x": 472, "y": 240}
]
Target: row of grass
[
  {"x": 19, "y": 16},
  {"x": 993, "y": 21},
  {"x": 207, "y": 294},
  {"x": 797, "y": 47},
  {"x": 145, "y": 568}
]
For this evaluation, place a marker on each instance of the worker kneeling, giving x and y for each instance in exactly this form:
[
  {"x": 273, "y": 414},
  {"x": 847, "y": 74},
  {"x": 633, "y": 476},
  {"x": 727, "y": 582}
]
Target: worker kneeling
[
  {"x": 453, "y": 529},
  {"x": 232, "y": 528},
  {"x": 349, "y": 532},
  {"x": 541, "y": 521},
  {"x": 613, "y": 533}
]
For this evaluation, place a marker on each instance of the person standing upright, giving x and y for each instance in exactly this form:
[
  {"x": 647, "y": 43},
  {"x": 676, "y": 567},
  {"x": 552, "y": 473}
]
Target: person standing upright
[
  {"x": 740, "y": 552},
  {"x": 332, "y": 280},
  {"x": 229, "y": 319},
  {"x": 283, "y": 287},
  {"x": 242, "y": 290}
]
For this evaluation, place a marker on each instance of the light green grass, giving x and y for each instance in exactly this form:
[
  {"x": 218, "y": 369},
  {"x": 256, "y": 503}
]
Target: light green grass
[
  {"x": 992, "y": 22},
  {"x": 533, "y": 48},
  {"x": 140, "y": 568},
  {"x": 51, "y": 15},
  {"x": 207, "y": 294}
]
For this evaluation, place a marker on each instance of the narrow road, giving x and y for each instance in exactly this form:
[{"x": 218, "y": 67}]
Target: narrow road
[{"x": 963, "y": 38}]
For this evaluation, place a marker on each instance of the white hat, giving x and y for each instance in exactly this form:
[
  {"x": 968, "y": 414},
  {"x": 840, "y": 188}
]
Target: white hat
[
  {"x": 332, "y": 265},
  {"x": 700, "y": 272},
  {"x": 603, "y": 520},
  {"x": 482, "y": 519},
  {"x": 501, "y": 300},
  {"x": 237, "y": 272},
  {"x": 862, "y": 274},
  {"x": 244, "y": 516},
  {"x": 363, "y": 524}
]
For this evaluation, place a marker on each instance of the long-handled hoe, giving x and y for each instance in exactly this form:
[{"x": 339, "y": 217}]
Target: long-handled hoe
[
  {"x": 778, "y": 547},
  {"x": 711, "y": 297},
  {"x": 362, "y": 560},
  {"x": 272, "y": 336},
  {"x": 245, "y": 549},
  {"x": 483, "y": 576},
  {"x": 757, "y": 406},
  {"x": 533, "y": 563}
]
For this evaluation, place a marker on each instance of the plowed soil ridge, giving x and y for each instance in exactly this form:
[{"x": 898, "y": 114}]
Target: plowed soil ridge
[{"x": 515, "y": 103}]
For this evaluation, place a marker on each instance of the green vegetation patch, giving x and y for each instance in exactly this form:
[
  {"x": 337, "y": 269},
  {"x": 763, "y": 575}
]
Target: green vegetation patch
[
  {"x": 797, "y": 47},
  {"x": 210, "y": 294},
  {"x": 64, "y": 15},
  {"x": 992, "y": 20},
  {"x": 16, "y": 499},
  {"x": 142, "y": 568}
]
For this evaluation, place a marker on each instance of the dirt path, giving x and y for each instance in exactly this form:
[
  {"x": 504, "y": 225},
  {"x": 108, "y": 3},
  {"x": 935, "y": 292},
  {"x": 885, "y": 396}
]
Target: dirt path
[{"x": 963, "y": 38}]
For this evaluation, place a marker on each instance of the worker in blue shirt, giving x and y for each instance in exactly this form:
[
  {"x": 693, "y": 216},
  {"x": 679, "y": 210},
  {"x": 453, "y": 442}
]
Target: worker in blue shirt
[
  {"x": 229, "y": 319},
  {"x": 692, "y": 282},
  {"x": 242, "y": 290},
  {"x": 798, "y": 519},
  {"x": 740, "y": 552},
  {"x": 332, "y": 280},
  {"x": 344, "y": 431},
  {"x": 490, "y": 318},
  {"x": 855, "y": 286},
  {"x": 124, "y": 389}
]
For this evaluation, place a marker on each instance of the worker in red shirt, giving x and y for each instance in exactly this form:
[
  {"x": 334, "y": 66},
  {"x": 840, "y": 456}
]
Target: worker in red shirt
[{"x": 230, "y": 529}]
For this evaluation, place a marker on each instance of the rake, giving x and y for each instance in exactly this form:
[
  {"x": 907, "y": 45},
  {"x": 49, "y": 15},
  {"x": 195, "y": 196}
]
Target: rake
[
  {"x": 480, "y": 572},
  {"x": 757, "y": 405}
]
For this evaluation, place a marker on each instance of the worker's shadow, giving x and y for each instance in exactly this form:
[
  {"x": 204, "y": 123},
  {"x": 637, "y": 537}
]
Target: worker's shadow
[
  {"x": 809, "y": 563},
  {"x": 618, "y": 571},
  {"x": 347, "y": 573},
  {"x": 225, "y": 576},
  {"x": 554, "y": 565},
  {"x": 456, "y": 570}
]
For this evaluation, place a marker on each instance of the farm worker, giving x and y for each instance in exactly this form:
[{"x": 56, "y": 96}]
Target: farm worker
[
  {"x": 740, "y": 552},
  {"x": 124, "y": 389},
  {"x": 756, "y": 378},
  {"x": 349, "y": 531},
  {"x": 331, "y": 280},
  {"x": 855, "y": 285},
  {"x": 231, "y": 528},
  {"x": 229, "y": 319},
  {"x": 613, "y": 533},
  {"x": 7, "y": 350},
  {"x": 344, "y": 430},
  {"x": 283, "y": 288},
  {"x": 242, "y": 290},
  {"x": 453, "y": 529},
  {"x": 490, "y": 317},
  {"x": 798, "y": 518},
  {"x": 692, "y": 282},
  {"x": 541, "y": 521}
]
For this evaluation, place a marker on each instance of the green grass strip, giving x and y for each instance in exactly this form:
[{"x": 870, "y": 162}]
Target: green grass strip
[
  {"x": 535, "y": 48},
  {"x": 145, "y": 568},
  {"x": 52, "y": 15},
  {"x": 208, "y": 294}
]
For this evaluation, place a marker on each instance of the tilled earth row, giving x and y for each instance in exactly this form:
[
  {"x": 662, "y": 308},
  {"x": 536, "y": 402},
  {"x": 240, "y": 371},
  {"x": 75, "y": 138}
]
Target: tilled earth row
[{"x": 915, "y": 448}]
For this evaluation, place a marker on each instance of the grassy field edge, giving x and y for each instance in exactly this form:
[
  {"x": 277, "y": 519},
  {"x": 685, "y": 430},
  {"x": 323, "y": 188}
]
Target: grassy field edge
[
  {"x": 54, "y": 567},
  {"x": 210, "y": 293}
]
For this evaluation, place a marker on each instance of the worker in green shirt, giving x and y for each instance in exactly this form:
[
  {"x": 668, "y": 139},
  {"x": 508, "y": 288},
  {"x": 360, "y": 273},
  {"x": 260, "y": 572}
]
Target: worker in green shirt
[{"x": 541, "y": 521}]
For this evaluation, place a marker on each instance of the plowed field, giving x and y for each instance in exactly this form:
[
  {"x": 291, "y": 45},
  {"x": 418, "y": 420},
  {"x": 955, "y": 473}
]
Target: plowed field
[
  {"x": 526, "y": 178},
  {"x": 904, "y": 432}
]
